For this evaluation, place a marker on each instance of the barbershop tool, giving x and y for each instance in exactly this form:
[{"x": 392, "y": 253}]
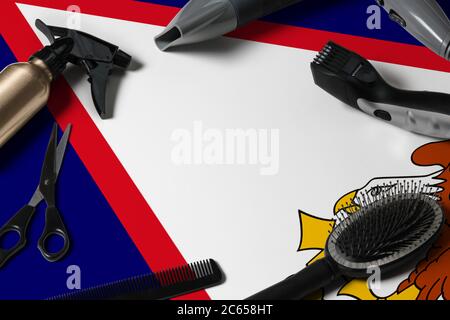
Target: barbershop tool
[
  {"x": 353, "y": 80},
  {"x": 25, "y": 87},
  {"x": 54, "y": 225},
  {"x": 388, "y": 233},
  {"x": 97, "y": 57},
  {"x": 425, "y": 20},
  {"x": 156, "y": 286},
  {"x": 201, "y": 20}
]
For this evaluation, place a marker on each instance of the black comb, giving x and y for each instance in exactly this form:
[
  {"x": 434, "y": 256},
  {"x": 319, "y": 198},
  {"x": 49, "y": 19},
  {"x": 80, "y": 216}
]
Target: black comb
[{"x": 155, "y": 286}]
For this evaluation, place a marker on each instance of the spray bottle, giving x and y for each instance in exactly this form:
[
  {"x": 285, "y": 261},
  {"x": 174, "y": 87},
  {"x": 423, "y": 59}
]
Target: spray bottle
[{"x": 25, "y": 87}]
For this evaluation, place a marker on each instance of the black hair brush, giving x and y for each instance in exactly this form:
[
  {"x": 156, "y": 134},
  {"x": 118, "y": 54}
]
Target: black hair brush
[
  {"x": 156, "y": 286},
  {"x": 390, "y": 232}
]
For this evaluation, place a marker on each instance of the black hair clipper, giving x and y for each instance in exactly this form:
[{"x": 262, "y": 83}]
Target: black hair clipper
[{"x": 353, "y": 80}]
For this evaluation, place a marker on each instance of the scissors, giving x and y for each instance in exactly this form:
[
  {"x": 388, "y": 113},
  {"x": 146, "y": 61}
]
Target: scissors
[{"x": 54, "y": 225}]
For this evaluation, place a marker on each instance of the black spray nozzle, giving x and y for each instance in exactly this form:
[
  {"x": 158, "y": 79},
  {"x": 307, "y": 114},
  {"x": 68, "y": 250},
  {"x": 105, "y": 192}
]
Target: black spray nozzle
[
  {"x": 55, "y": 56},
  {"x": 96, "y": 56}
]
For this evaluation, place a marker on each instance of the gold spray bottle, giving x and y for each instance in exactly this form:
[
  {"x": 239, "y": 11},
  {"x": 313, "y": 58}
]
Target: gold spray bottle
[{"x": 25, "y": 86}]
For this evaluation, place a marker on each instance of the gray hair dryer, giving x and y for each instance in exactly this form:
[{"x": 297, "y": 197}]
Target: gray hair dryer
[{"x": 425, "y": 20}]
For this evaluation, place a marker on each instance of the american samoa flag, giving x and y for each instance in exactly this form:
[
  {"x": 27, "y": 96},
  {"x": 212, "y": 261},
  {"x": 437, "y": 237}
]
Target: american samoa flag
[{"x": 154, "y": 187}]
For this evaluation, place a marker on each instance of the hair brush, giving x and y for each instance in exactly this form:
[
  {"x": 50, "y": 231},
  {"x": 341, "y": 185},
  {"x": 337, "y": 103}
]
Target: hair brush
[
  {"x": 353, "y": 80},
  {"x": 389, "y": 232},
  {"x": 156, "y": 286}
]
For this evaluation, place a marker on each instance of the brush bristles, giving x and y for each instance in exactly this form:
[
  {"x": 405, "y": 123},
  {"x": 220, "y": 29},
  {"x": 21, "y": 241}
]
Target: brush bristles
[
  {"x": 160, "y": 280},
  {"x": 333, "y": 57},
  {"x": 384, "y": 229},
  {"x": 388, "y": 225}
]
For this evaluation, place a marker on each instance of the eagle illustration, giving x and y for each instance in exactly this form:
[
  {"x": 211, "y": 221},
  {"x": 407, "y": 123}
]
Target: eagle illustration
[{"x": 431, "y": 278}]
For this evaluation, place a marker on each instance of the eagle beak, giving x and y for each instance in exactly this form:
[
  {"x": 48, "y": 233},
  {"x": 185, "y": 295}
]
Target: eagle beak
[{"x": 347, "y": 203}]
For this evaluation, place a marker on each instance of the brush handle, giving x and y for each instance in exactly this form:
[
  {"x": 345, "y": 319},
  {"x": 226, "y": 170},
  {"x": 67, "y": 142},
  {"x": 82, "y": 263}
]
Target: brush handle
[
  {"x": 249, "y": 10},
  {"x": 424, "y": 112},
  {"x": 300, "y": 285}
]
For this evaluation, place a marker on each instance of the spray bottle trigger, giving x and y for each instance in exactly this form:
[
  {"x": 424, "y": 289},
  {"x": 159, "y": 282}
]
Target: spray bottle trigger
[{"x": 96, "y": 56}]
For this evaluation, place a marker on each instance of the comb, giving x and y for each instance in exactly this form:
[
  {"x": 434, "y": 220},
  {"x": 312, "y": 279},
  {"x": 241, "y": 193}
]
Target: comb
[{"x": 155, "y": 286}]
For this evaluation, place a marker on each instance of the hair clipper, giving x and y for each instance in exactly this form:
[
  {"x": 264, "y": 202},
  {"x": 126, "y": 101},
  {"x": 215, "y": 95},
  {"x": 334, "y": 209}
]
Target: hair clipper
[{"x": 353, "y": 80}]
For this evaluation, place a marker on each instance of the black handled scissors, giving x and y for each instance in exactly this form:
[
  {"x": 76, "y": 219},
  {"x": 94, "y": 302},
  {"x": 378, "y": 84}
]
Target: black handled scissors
[{"x": 54, "y": 225}]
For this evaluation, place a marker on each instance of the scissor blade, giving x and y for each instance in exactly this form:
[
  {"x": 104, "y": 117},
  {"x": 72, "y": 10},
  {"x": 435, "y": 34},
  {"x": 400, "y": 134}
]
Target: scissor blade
[
  {"x": 55, "y": 168},
  {"x": 49, "y": 167},
  {"x": 61, "y": 149}
]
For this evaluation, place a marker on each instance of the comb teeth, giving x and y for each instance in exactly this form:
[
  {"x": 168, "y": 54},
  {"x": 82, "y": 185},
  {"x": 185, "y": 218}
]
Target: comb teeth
[
  {"x": 333, "y": 57},
  {"x": 160, "y": 285}
]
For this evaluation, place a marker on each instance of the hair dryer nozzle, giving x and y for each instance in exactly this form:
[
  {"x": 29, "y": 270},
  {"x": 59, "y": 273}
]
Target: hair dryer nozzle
[{"x": 425, "y": 20}]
